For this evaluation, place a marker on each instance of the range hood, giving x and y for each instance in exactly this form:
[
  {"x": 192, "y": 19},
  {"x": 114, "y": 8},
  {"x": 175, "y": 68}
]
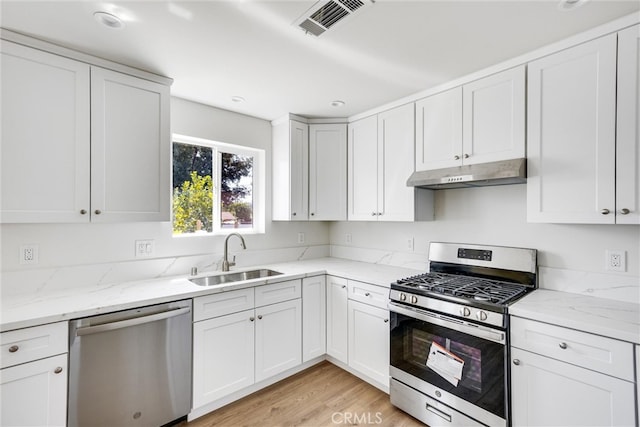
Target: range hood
[{"x": 481, "y": 175}]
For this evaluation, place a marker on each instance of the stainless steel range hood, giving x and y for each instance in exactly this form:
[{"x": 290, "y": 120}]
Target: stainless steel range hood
[{"x": 480, "y": 175}]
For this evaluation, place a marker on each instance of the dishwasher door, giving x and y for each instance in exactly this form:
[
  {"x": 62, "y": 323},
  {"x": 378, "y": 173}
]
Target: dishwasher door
[{"x": 131, "y": 368}]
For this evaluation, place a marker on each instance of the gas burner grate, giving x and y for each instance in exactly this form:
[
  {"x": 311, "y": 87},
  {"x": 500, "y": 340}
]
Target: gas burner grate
[{"x": 494, "y": 291}]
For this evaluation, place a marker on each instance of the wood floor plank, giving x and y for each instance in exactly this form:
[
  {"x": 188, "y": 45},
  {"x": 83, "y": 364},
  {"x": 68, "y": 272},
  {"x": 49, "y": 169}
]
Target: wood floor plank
[{"x": 323, "y": 395}]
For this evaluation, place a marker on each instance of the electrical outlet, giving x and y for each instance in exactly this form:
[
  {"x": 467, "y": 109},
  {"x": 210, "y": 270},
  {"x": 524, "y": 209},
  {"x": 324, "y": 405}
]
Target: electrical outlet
[
  {"x": 616, "y": 260},
  {"x": 347, "y": 238},
  {"x": 300, "y": 237},
  {"x": 145, "y": 248},
  {"x": 29, "y": 254},
  {"x": 410, "y": 243}
]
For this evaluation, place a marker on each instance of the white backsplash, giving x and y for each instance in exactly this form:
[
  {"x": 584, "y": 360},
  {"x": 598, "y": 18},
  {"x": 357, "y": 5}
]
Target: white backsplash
[{"x": 39, "y": 281}]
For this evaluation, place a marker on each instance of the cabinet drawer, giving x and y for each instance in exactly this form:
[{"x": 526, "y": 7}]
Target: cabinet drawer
[
  {"x": 606, "y": 355},
  {"x": 369, "y": 294},
  {"x": 278, "y": 292},
  {"x": 25, "y": 345},
  {"x": 223, "y": 303}
]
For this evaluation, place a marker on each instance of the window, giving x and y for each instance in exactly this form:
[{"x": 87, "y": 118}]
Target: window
[{"x": 217, "y": 187}]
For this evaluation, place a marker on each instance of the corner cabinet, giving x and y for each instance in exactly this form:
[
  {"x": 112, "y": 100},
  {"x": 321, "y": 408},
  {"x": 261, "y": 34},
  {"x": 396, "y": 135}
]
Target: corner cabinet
[
  {"x": 482, "y": 121},
  {"x": 314, "y": 314},
  {"x": 381, "y": 159},
  {"x": 89, "y": 144},
  {"x": 573, "y": 174},
  {"x": 309, "y": 167}
]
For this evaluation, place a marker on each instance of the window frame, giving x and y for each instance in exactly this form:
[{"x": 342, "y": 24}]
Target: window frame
[{"x": 258, "y": 184}]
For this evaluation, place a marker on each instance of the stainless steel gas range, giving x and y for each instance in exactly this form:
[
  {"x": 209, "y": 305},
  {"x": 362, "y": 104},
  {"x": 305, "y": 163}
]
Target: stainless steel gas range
[{"x": 450, "y": 330}]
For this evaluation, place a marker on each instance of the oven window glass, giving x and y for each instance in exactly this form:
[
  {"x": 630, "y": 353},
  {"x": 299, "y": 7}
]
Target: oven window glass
[{"x": 483, "y": 373}]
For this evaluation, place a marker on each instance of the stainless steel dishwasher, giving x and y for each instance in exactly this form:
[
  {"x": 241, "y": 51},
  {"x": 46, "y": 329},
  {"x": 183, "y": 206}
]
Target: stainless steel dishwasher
[{"x": 131, "y": 368}]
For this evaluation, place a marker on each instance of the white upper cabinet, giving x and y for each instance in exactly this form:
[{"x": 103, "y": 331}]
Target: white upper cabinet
[
  {"x": 381, "y": 158},
  {"x": 328, "y": 172},
  {"x": 628, "y": 128},
  {"x": 482, "y": 121},
  {"x": 81, "y": 143},
  {"x": 493, "y": 113},
  {"x": 571, "y": 134},
  {"x": 439, "y": 130},
  {"x": 45, "y": 137},
  {"x": 130, "y": 143}
]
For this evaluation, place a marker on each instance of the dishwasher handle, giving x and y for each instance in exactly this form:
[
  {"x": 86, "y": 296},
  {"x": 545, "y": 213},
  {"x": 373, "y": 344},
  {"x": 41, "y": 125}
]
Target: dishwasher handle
[{"x": 88, "y": 330}]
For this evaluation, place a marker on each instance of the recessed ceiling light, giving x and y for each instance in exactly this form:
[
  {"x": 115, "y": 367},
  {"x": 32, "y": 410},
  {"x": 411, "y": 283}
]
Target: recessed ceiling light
[
  {"x": 109, "y": 20},
  {"x": 570, "y": 4},
  {"x": 237, "y": 99},
  {"x": 337, "y": 103}
]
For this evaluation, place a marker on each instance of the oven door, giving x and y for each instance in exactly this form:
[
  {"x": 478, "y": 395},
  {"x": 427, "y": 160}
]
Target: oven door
[{"x": 482, "y": 349}]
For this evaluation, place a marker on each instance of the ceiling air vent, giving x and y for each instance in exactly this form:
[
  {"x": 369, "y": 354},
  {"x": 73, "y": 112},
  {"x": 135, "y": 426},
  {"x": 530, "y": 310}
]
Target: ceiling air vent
[{"x": 325, "y": 14}]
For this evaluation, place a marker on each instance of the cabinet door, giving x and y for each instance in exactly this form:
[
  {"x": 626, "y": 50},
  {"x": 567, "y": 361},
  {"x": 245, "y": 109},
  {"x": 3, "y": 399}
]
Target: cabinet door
[
  {"x": 314, "y": 323},
  {"x": 369, "y": 341},
  {"x": 299, "y": 166},
  {"x": 35, "y": 393},
  {"x": 278, "y": 338},
  {"x": 223, "y": 356},
  {"x": 130, "y": 145},
  {"x": 493, "y": 117},
  {"x": 628, "y": 132},
  {"x": 396, "y": 162},
  {"x": 328, "y": 172},
  {"x": 44, "y": 169},
  {"x": 547, "y": 392},
  {"x": 439, "y": 130},
  {"x": 571, "y": 134},
  {"x": 337, "y": 317},
  {"x": 363, "y": 169}
]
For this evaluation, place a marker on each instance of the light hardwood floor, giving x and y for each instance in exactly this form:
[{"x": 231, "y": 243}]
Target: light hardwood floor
[{"x": 323, "y": 395}]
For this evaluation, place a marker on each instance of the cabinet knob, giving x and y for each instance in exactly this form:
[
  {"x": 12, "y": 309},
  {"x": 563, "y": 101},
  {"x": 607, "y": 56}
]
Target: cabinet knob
[
  {"x": 563, "y": 345},
  {"x": 379, "y": 213},
  {"x": 466, "y": 156},
  {"x": 456, "y": 157},
  {"x": 344, "y": 286},
  {"x": 312, "y": 214},
  {"x": 386, "y": 320},
  {"x": 366, "y": 294},
  {"x": 605, "y": 211},
  {"x": 516, "y": 361},
  {"x": 625, "y": 211},
  {"x": 259, "y": 316},
  {"x": 252, "y": 318},
  {"x": 373, "y": 214},
  {"x": 83, "y": 211},
  {"x": 293, "y": 214},
  {"x": 98, "y": 212},
  {"x": 57, "y": 370},
  {"x": 13, "y": 349}
]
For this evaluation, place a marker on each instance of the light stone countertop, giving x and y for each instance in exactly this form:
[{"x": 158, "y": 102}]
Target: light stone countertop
[
  {"x": 606, "y": 317},
  {"x": 26, "y": 310}
]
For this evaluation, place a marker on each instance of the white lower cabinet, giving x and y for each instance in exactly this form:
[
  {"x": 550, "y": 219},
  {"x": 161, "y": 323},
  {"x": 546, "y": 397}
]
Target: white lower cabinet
[
  {"x": 33, "y": 378},
  {"x": 235, "y": 350},
  {"x": 369, "y": 341},
  {"x": 337, "y": 319},
  {"x": 314, "y": 315},
  {"x": 563, "y": 377}
]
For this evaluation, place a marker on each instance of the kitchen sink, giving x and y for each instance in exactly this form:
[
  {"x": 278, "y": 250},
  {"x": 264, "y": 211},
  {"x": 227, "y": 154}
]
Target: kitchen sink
[{"x": 239, "y": 276}]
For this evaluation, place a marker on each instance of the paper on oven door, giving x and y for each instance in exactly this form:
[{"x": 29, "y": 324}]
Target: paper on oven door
[{"x": 444, "y": 363}]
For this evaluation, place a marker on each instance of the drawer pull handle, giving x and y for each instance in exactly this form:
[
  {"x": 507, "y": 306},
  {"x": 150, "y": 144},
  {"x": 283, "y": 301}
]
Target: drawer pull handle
[
  {"x": 563, "y": 345},
  {"x": 57, "y": 370},
  {"x": 516, "y": 362},
  {"x": 13, "y": 349},
  {"x": 366, "y": 294}
]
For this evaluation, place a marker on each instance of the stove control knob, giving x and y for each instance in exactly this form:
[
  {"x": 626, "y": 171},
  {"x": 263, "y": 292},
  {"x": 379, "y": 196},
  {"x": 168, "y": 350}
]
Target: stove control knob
[
  {"x": 481, "y": 315},
  {"x": 465, "y": 312},
  {"x": 403, "y": 297},
  {"x": 414, "y": 299}
]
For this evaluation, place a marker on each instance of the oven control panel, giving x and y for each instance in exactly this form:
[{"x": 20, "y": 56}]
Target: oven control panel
[{"x": 479, "y": 254}]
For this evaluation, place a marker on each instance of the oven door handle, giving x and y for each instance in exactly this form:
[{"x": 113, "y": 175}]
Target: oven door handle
[{"x": 447, "y": 322}]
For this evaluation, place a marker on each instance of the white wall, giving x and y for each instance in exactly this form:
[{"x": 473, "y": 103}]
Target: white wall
[
  {"x": 81, "y": 244},
  {"x": 497, "y": 216}
]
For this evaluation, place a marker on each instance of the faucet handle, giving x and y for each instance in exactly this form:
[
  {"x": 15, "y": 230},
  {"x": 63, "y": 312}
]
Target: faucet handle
[{"x": 232, "y": 262}]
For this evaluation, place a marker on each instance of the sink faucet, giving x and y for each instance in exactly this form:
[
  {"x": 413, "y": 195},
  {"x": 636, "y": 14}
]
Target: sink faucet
[{"x": 225, "y": 262}]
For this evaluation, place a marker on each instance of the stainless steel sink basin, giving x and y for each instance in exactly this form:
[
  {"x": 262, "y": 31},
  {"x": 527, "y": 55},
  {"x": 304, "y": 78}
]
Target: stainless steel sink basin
[{"x": 239, "y": 276}]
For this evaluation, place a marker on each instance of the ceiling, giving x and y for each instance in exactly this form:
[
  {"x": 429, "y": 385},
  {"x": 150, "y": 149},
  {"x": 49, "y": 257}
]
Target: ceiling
[{"x": 215, "y": 50}]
